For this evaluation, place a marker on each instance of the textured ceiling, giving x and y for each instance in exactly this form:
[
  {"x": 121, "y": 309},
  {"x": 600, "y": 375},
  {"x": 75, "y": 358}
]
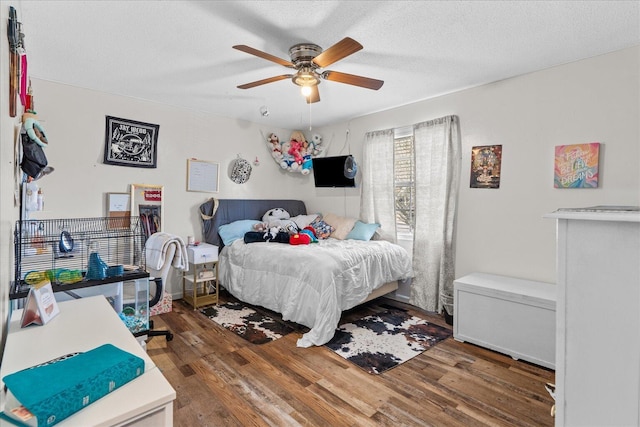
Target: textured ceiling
[{"x": 180, "y": 52}]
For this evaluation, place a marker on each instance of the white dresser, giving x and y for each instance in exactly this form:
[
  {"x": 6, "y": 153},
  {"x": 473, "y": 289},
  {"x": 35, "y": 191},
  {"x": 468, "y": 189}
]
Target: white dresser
[
  {"x": 84, "y": 324},
  {"x": 598, "y": 317}
]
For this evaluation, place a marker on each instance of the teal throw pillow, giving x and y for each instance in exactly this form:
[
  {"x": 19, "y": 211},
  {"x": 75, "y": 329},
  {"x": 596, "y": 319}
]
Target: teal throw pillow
[
  {"x": 363, "y": 231},
  {"x": 231, "y": 232}
]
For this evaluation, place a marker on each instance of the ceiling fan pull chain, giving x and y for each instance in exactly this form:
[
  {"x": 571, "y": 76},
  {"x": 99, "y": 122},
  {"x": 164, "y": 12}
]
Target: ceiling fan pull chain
[{"x": 310, "y": 116}]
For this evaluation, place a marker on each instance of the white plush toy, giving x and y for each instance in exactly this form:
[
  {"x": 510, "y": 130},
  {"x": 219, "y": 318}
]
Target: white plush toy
[{"x": 278, "y": 219}]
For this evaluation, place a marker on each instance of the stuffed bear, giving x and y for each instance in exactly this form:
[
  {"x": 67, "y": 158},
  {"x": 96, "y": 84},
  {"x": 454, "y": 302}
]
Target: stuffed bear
[
  {"x": 273, "y": 142},
  {"x": 278, "y": 219}
]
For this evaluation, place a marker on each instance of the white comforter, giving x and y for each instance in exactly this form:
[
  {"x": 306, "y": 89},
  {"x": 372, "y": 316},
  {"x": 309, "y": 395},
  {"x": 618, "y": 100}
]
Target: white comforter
[{"x": 311, "y": 284}]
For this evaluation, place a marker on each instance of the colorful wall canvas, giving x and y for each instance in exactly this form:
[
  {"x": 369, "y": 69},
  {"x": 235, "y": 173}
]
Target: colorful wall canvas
[
  {"x": 576, "y": 166},
  {"x": 485, "y": 166}
]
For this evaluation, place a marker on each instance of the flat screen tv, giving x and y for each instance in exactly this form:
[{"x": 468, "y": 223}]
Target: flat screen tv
[{"x": 329, "y": 172}]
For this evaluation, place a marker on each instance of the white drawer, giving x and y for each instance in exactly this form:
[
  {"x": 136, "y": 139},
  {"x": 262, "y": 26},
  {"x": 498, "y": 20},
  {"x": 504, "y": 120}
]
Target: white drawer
[{"x": 202, "y": 253}]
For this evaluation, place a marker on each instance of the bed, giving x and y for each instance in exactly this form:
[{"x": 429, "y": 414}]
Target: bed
[{"x": 308, "y": 284}]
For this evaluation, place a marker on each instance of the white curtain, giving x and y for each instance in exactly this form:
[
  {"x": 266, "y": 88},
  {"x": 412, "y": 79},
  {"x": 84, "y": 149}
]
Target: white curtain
[
  {"x": 437, "y": 151},
  {"x": 377, "y": 202}
]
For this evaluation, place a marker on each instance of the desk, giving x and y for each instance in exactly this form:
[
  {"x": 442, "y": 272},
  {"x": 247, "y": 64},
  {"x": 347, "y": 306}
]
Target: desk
[{"x": 82, "y": 325}]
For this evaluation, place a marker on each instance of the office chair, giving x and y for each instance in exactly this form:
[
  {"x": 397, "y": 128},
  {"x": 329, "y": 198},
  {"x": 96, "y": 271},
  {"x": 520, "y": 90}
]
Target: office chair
[{"x": 159, "y": 277}]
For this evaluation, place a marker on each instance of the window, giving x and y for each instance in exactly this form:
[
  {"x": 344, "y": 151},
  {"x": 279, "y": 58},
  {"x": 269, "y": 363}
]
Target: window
[{"x": 404, "y": 181}]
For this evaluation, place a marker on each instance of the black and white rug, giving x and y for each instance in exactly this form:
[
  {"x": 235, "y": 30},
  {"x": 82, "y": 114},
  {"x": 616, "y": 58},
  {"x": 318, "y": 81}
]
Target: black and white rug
[
  {"x": 252, "y": 325},
  {"x": 380, "y": 342}
]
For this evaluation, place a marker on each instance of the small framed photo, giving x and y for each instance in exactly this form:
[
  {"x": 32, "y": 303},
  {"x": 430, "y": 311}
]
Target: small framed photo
[{"x": 130, "y": 143}]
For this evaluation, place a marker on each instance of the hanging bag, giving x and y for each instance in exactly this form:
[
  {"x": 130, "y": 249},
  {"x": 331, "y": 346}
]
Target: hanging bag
[{"x": 33, "y": 158}]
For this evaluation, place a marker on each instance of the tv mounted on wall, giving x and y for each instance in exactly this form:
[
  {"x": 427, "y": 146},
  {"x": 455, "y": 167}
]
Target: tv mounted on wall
[{"x": 329, "y": 172}]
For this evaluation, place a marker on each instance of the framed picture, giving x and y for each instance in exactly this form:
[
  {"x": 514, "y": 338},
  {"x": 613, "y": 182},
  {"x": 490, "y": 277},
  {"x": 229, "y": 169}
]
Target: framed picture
[
  {"x": 576, "y": 166},
  {"x": 202, "y": 176},
  {"x": 147, "y": 202},
  {"x": 130, "y": 143},
  {"x": 118, "y": 210},
  {"x": 486, "y": 162}
]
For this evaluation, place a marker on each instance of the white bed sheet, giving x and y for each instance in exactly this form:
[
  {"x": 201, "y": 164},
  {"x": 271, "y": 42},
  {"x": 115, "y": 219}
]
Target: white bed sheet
[{"x": 311, "y": 284}]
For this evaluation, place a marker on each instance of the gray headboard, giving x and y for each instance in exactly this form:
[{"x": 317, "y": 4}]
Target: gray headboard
[{"x": 230, "y": 210}]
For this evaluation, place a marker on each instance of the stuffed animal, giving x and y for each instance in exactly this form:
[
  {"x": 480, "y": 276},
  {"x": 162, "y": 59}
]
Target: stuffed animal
[
  {"x": 280, "y": 220},
  {"x": 273, "y": 142},
  {"x": 307, "y": 164},
  {"x": 287, "y": 161},
  {"x": 315, "y": 145},
  {"x": 311, "y": 233},
  {"x": 299, "y": 239},
  {"x": 294, "y": 150}
]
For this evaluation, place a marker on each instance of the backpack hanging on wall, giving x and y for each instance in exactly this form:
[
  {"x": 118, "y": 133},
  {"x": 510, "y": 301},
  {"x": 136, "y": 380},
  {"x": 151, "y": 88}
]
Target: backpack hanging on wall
[{"x": 33, "y": 158}]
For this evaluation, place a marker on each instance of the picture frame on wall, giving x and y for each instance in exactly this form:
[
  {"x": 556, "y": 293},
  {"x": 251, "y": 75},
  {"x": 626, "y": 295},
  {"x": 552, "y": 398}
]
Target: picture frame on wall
[
  {"x": 576, "y": 165},
  {"x": 130, "y": 143},
  {"x": 486, "y": 164},
  {"x": 118, "y": 211}
]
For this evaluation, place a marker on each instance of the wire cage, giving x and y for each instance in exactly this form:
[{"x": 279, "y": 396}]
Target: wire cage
[{"x": 62, "y": 250}]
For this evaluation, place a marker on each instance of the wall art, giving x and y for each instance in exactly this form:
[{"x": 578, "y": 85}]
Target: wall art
[
  {"x": 130, "y": 143},
  {"x": 576, "y": 166},
  {"x": 486, "y": 162}
]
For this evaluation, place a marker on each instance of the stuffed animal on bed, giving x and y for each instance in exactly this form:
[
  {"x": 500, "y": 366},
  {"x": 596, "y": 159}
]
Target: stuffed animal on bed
[{"x": 278, "y": 219}]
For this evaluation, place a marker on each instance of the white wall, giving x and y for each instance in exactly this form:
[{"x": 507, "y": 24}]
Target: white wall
[
  {"x": 499, "y": 231},
  {"x": 502, "y": 231}
]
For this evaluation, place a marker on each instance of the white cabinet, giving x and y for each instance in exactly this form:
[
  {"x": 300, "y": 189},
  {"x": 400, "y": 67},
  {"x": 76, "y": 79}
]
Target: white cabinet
[
  {"x": 598, "y": 318},
  {"x": 513, "y": 316}
]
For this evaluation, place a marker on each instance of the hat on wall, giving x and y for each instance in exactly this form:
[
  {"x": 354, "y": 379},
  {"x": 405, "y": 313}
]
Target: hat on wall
[{"x": 350, "y": 167}]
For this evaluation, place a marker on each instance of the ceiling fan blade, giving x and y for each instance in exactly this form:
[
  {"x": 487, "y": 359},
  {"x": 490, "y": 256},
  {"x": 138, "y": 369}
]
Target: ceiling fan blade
[
  {"x": 343, "y": 48},
  {"x": 314, "y": 96},
  {"x": 265, "y": 81},
  {"x": 352, "y": 79},
  {"x": 263, "y": 55}
]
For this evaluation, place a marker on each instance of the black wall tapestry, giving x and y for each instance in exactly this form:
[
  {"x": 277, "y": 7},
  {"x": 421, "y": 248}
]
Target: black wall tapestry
[{"x": 130, "y": 143}]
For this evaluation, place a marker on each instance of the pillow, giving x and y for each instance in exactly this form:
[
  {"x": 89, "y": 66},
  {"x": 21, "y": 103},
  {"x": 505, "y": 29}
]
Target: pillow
[
  {"x": 303, "y": 221},
  {"x": 363, "y": 231},
  {"x": 341, "y": 224},
  {"x": 231, "y": 232},
  {"x": 322, "y": 229}
]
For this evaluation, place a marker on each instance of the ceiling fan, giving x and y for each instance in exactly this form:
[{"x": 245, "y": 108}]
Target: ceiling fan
[{"x": 308, "y": 59}]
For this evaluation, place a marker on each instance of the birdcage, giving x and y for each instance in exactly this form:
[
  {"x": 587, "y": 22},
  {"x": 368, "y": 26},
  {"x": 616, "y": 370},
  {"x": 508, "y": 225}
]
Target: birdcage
[{"x": 64, "y": 251}]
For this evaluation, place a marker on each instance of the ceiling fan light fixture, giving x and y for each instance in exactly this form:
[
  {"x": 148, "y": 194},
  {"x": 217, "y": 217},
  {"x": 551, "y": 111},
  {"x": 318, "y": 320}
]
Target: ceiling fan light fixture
[{"x": 306, "y": 77}]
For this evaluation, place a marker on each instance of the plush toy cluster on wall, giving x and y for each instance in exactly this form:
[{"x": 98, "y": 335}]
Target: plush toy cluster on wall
[{"x": 295, "y": 154}]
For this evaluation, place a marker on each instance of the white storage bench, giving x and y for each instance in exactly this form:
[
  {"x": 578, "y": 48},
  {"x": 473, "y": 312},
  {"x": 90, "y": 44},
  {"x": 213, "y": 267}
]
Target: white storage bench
[{"x": 512, "y": 316}]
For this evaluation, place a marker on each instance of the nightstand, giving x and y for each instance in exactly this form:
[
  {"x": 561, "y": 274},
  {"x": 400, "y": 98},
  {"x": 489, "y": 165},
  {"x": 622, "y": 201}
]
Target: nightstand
[{"x": 200, "y": 283}]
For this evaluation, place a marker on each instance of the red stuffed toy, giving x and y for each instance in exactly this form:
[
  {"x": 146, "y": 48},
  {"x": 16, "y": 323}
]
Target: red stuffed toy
[
  {"x": 299, "y": 239},
  {"x": 294, "y": 150}
]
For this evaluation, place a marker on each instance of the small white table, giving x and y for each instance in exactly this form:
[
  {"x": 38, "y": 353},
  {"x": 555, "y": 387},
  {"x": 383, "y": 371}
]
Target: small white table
[{"x": 82, "y": 325}]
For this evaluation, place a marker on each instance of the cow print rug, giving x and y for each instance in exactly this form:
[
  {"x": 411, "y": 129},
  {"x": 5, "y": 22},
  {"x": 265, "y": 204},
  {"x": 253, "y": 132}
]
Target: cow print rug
[
  {"x": 251, "y": 324},
  {"x": 382, "y": 341}
]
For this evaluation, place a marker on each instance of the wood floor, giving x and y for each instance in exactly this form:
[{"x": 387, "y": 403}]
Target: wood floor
[{"x": 222, "y": 380}]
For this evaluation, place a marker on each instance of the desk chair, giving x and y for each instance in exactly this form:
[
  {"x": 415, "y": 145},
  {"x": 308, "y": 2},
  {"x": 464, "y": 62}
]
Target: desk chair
[{"x": 159, "y": 277}]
